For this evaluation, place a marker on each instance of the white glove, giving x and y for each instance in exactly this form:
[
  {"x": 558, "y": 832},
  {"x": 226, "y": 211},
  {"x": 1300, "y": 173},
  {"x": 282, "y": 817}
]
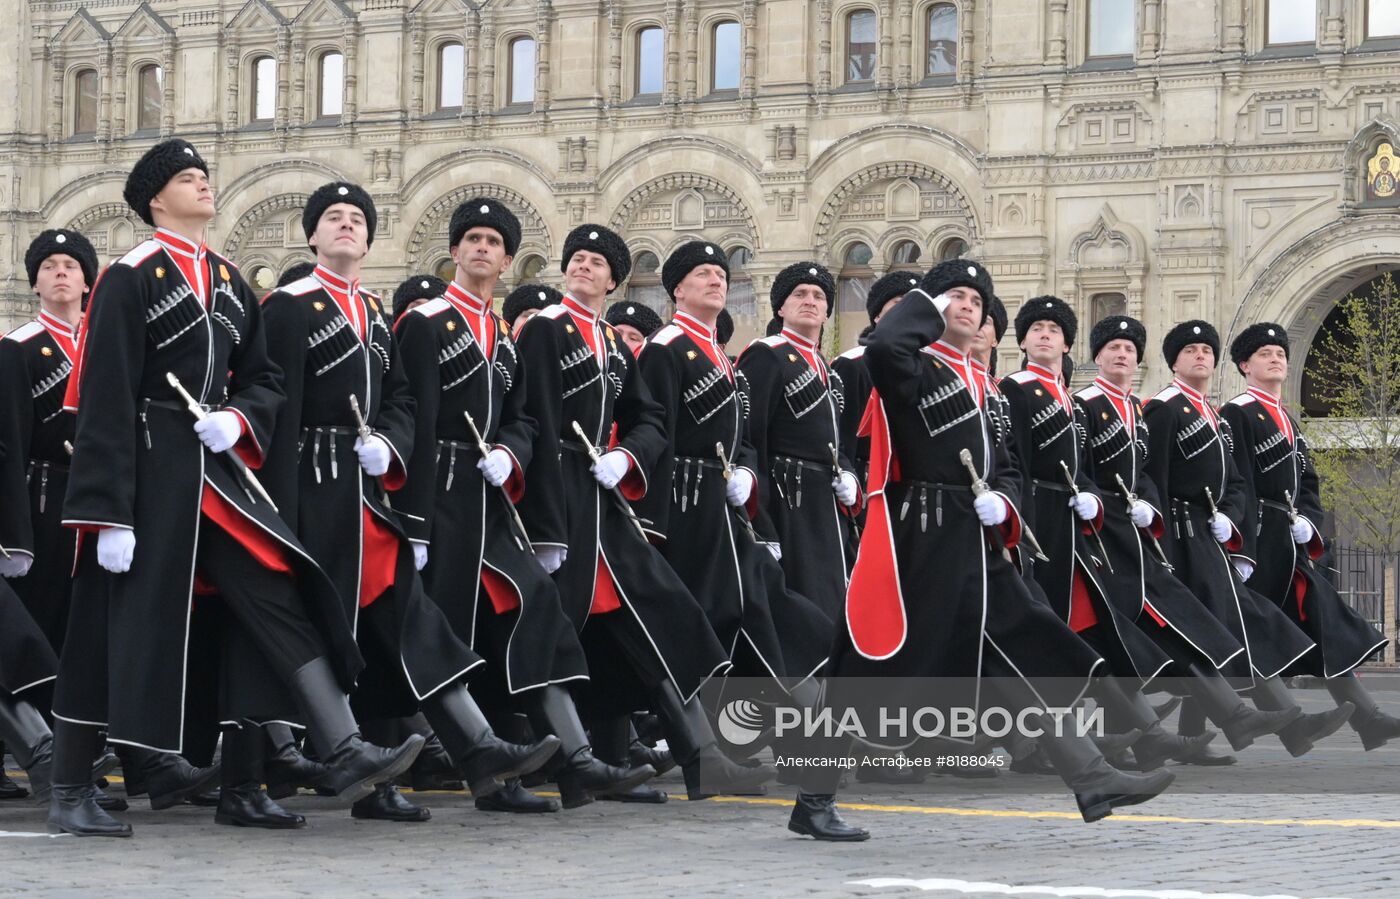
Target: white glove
[
  {"x": 219, "y": 431},
  {"x": 991, "y": 509},
  {"x": 739, "y": 488},
  {"x": 610, "y": 469},
  {"x": 551, "y": 557},
  {"x": 1141, "y": 514},
  {"x": 1221, "y": 527},
  {"x": 16, "y": 566},
  {"x": 374, "y": 454},
  {"x": 115, "y": 547},
  {"x": 420, "y": 556},
  {"x": 847, "y": 489},
  {"x": 1085, "y": 505},
  {"x": 1302, "y": 530},
  {"x": 776, "y": 550},
  {"x": 496, "y": 467},
  {"x": 1243, "y": 567}
]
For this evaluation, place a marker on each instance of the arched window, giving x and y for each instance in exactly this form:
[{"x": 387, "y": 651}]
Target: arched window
[
  {"x": 644, "y": 285},
  {"x": 724, "y": 58},
  {"x": 942, "y": 40},
  {"x": 1105, "y": 304},
  {"x": 1290, "y": 22},
  {"x": 520, "y": 87},
  {"x": 264, "y": 107},
  {"x": 1382, "y": 18},
  {"x": 952, "y": 248},
  {"x": 854, "y": 280},
  {"x": 742, "y": 298},
  {"x": 451, "y": 60},
  {"x": 149, "y": 97},
  {"x": 905, "y": 256},
  {"x": 1112, "y": 27},
  {"x": 330, "y": 90},
  {"x": 445, "y": 269},
  {"x": 861, "y": 37},
  {"x": 85, "y": 103},
  {"x": 262, "y": 278},
  {"x": 651, "y": 62},
  {"x": 529, "y": 268}
]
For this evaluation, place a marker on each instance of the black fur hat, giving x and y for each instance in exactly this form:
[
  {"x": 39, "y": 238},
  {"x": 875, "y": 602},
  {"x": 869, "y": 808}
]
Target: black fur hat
[
  {"x": 1047, "y": 308},
  {"x": 724, "y": 327},
  {"x": 417, "y": 287},
  {"x": 799, "y": 273},
  {"x": 1117, "y": 327},
  {"x": 296, "y": 273},
  {"x": 327, "y": 195},
  {"x": 958, "y": 273},
  {"x": 688, "y": 257},
  {"x": 638, "y": 315},
  {"x": 600, "y": 240},
  {"x": 528, "y": 296},
  {"x": 996, "y": 311},
  {"x": 1186, "y": 333},
  {"x": 54, "y": 241},
  {"x": 1251, "y": 339},
  {"x": 487, "y": 213},
  {"x": 154, "y": 170},
  {"x": 894, "y": 284}
]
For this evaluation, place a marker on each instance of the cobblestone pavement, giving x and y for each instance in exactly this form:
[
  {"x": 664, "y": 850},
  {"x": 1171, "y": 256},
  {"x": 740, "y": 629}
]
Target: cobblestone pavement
[{"x": 953, "y": 838}]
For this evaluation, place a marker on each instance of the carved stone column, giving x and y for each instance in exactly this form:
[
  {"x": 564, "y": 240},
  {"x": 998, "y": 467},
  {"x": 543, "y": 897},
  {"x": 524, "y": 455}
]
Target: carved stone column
[
  {"x": 1151, "y": 28},
  {"x": 167, "y": 86},
  {"x": 488, "y": 62},
  {"x": 823, "y": 46},
  {"x": 231, "y": 85},
  {"x": 690, "y": 78},
  {"x": 1333, "y": 25},
  {"x": 417, "y": 40},
  {"x": 542, "y": 40},
  {"x": 104, "y": 102},
  {"x": 56, "y": 108},
  {"x": 884, "y": 20},
  {"x": 1234, "y": 26},
  {"x": 284, "y": 83},
  {"x": 471, "y": 62},
  {"x": 614, "y": 53},
  {"x": 1058, "y": 39},
  {"x": 352, "y": 79},
  {"x": 118, "y": 108},
  {"x": 298, "y": 63},
  {"x": 748, "y": 82},
  {"x": 906, "y": 28},
  {"x": 966, "y": 39},
  {"x": 671, "y": 18}
]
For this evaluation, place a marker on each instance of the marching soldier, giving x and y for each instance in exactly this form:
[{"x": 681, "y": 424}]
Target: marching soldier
[
  {"x": 472, "y": 445},
  {"x": 703, "y": 523},
  {"x": 162, "y": 489},
  {"x": 806, "y": 482},
  {"x": 1200, "y": 498},
  {"x": 1175, "y": 620},
  {"x": 641, "y": 620},
  {"x": 930, "y": 595},
  {"x": 342, "y": 442},
  {"x": 1282, "y": 515}
]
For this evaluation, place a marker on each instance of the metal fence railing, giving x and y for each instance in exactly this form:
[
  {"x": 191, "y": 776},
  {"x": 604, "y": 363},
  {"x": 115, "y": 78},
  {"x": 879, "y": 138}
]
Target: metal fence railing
[{"x": 1360, "y": 578}]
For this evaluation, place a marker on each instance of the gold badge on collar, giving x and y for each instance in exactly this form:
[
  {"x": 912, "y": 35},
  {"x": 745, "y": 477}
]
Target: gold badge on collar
[
  {"x": 792, "y": 357},
  {"x": 223, "y": 271},
  {"x": 690, "y": 354},
  {"x": 46, "y": 351},
  {"x": 569, "y": 328},
  {"x": 451, "y": 326},
  {"x": 160, "y": 271},
  {"x": 319, "y": 306}
]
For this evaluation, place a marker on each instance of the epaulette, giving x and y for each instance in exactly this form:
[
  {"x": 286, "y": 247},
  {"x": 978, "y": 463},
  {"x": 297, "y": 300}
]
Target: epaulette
[
  {"x": 1243, "y": 399},
  {"x": 1167, "y": 393},
  {"x": 432, "y": 307},
  {"x": 300, "y": 287},
  {"x": 776, "y": 340},
  {"x": 667, "y": 334},
  {"x": 856, "y": 353},
  {"x": 1093, "y": 391},
  {"x": 1023, "y": 376},
  {"x": 140, "y": 253},
  {"x": 554, "y": 311},
  {"x": 25, "y": 332}
]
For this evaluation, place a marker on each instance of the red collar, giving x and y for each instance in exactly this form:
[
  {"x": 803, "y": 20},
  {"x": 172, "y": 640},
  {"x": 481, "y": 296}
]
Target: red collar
[
  {"x": 460, "y": 296},
  {"x": 967, "y": 368},
  {"x": 1051, "y": 380},
  {"x": 798, "y": 340},
  {"x": 182, "y": 245},
  {"x": 949, "y": 353},
  {"x": 1113, "y": 390},
  {"x": 1265, "y": 397},
  {"x": 333, "y": 282},
  {"x": 579, "y": 308},
  {"x": 694, "y": 326},
  {"x": 1191, "y": 393},
  {"x": 63, "y": 333}
]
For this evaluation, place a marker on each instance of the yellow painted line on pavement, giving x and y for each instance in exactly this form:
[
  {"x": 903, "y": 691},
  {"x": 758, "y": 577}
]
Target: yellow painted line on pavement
[{"x": 1074, "y": 816}]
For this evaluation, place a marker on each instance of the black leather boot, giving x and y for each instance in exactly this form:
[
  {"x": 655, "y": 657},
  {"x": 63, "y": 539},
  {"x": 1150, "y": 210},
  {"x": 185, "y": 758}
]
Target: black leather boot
[
  {"x": 434, "y": 769},
  {"x": 639, "y": 753},
  {"x": 285, "y": 768},
  {"x": 1035, "y": 763},
  {"x": 1192, "y": 723},
  {"x": 1164, "y": 710},
  {"x": 708, "y": 772},
  {"x": 815, "y": 815},
  {"x": 581, "y": 775},
  {"x": 386, "y": 803},
  {"x": 241, "y": 801},
  {"x": 73, "y": 804},
  {"x": 131, "y": 773},
  {"x": 615, "y": 741},
  {"x": 1300, "y": 736},
  {"x": 355, "y": 767},
  {"x": 1375, "y": 727},
  {"x": 170, "y": 780},
  {"x": 513, "y": 797},
  {"x": 1098, "y": 787},
  {"x": 30, "y": 740},
  {"x": 1129, "y": 708},
  {"x": 1111, "y": 744},
  {"x": 1240, "y": 724},
  {"x": 107, "y": 802},
  {"x": 485, "y": 760},
  {"x": 8, "y": 788}
]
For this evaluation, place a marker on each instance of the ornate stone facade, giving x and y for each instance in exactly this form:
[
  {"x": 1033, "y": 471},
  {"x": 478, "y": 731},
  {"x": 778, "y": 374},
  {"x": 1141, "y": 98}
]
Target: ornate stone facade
[{"x": 1195, "y": 169}]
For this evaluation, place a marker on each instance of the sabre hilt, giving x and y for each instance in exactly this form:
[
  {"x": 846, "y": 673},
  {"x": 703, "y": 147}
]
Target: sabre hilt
[
  {"x": 979, "y": 485},
  {"x": 360, "y": 424}
]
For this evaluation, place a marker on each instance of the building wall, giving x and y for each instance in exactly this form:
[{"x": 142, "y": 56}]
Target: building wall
[{"x": 1205, "y": 175}]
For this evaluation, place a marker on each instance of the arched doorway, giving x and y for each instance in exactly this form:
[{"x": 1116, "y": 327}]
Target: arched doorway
[{"x": 1334, "y": 335}]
